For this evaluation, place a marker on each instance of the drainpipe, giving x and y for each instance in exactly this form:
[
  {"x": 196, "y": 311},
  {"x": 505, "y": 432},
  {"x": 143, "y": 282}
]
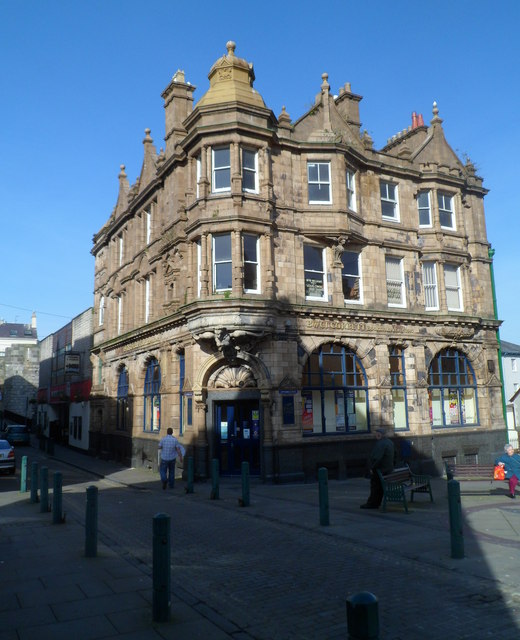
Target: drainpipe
[{"x": 491, "y": 253}]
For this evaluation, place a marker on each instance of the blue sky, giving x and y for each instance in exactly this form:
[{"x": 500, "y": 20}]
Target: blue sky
[{"x": 82, "y": 80}]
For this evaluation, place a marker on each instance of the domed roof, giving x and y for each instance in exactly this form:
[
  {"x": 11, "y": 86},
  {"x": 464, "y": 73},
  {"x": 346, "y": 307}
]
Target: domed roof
[{"x": 231, "y": 80}]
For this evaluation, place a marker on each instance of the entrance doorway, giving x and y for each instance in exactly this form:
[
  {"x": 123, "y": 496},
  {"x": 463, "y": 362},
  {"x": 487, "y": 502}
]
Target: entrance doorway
[{"x": 237, "y": 425}]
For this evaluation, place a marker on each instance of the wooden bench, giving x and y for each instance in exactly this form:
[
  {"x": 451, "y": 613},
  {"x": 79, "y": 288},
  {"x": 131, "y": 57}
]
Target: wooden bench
[
  {"x": 400, "y": 482},
  {"x": 470, "y": 472}
]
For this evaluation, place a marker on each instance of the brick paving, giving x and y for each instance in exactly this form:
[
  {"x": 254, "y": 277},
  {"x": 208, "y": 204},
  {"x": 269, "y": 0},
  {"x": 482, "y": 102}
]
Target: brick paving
[{"x": 265, "y": 572}]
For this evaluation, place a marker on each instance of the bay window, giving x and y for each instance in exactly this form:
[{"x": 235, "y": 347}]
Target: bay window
[
  {"x": 314, "y": 268},
  {"x": 251, "y": 264},
  {"x": 221, "y": 169},
  {"x": 222, "y": 264},
  {"x": 351, "y": 276},
  {"x": 318, "y": 178},
  {"x": 395, "y": 282}
]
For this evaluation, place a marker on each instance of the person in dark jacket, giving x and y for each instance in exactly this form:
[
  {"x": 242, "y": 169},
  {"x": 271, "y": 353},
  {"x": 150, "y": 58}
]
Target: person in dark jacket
[
  {"x": 511, "y": 463},
  {"x": 382, "y": 458}
]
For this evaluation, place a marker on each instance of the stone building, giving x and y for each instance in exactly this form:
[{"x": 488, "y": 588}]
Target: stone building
[
  {"x": 277, "y": 289},
  {"x": 511, "y": 368},
  {"x": 65, "y": 379},
  {"x": 19, "y": 354}
]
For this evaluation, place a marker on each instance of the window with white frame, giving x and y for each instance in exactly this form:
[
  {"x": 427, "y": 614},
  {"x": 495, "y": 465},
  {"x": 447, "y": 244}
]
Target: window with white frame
[
  {"x": 351, "y": 276},
  {"x": 199, "y": 266},
  {"x": 389, "y": 203},
  {"x": 513, "y": 364},
  {"x": 431, "y": 295},
  {"x": 453, "y": 287},
  {"x": 318, "y": 178},
  {"x": 147, "y": 299},
  {"x": 351, "y": 190},
  {"x": 198, "y": 174},
  {"x": 446, "y": 214},
  {"x": 424, "y": 209},
  {"x": 222, "y": 264},
  {"x": 101, "y": 310},
  {"x": 119, "y": 301},
  {"x": 148, "y": 225},
  {"x": 251, "y": 264},
  {"x": 249, "y": 171},
  {"x": 221, "y": 172},
  {"x": 314, "y": 267},
  {"x": 121, "y": 248},
  {"x": 395, "y": 282}
]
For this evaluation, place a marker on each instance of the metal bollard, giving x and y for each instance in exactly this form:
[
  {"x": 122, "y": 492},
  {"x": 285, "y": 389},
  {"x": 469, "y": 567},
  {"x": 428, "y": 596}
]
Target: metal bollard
[
  {"x": 57, "y": 515},
  {"x": 91, "y": 521},
  {"x": 362, "y": 616},
  {"x": 323, "y": 479},
  {"x": 245, "y": 485},
  {"x": 215, "y": 479},
  {"x": 455, "y": 510},
  {"x": 191, "y": 475},
  {"x": 44, "y": 490},
  {"x": 161, "y": 568},
  {"x": 34, "y": 482},
  {"x": 23, "y": 475}
]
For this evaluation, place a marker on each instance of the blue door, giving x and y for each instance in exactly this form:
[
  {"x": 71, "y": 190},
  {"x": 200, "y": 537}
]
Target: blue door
[{"x": 238, "y": 435}]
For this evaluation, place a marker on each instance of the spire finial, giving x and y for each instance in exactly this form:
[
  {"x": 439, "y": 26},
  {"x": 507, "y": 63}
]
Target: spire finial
[
  {"x": 122, "y": 174},
  {"x": 435, "y": 112},
  {"x": 231, "y": 46}
]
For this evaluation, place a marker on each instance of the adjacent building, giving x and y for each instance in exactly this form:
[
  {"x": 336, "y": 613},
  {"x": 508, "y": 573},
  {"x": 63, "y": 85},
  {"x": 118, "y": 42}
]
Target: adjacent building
[
  {"x": 511, "y": 369},
  {"x": 19, "y": 357},
  {"x": 65, "y": 379},
  {"x": 275, "y": 289}
]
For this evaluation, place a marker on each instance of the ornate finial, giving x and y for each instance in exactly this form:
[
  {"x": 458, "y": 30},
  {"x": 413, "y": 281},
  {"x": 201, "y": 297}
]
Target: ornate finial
[
  {"x": 325, "y": 85},
  {"x": 147, "y": 137},
  {"x": 122, "y": 174},
  {"x": 435, "y": 113},
  {"x": 231, "y": 46}
]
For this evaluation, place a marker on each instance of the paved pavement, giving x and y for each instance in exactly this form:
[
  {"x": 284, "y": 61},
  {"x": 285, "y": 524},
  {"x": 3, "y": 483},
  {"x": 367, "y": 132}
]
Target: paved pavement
[{"x": 268, "y": 571}]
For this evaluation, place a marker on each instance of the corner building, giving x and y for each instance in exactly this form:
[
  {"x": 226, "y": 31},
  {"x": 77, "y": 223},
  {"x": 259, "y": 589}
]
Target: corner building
[{"x": 276, "y": 289}]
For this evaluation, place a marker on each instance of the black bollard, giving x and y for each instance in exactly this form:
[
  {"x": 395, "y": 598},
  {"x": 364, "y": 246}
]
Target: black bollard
[
  {"x": 91, "y": 522},
  {"x": 23, "y": 475},
  {"x": 323, "y": 478},
  {"x": 191, "y": 475},
  {"x": 34, "y": 482},
  {"x": 44, "y": 490},
  {"x": 362, "y": 616},
  {"x": 57, "y": 515},
  {"x": 455, "y": 510},
  {"x": 161, "y": 568}
]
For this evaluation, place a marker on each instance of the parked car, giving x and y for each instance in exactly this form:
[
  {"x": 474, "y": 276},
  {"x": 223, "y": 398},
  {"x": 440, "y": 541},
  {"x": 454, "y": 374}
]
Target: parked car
[
  {"x": 7, "y": 460},
  {"x": 16, "y": 434}
]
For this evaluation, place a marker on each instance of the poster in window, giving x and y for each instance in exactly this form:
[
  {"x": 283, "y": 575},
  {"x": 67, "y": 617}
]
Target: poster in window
[
  {"x": 340, "y": 410},
  {"x": 351, "y": 410},
  {"x": 454, "y": 406},
  {"x": 307, "y": 417}
]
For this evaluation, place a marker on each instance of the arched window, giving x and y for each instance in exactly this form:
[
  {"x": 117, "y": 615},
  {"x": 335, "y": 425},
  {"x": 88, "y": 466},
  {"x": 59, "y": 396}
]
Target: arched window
[
  {"x": 452, "y": 390},
  {"x": 334, "y": 393},
  {"x": 122, "y": 400},
  {"x": 152, "y": 398}
]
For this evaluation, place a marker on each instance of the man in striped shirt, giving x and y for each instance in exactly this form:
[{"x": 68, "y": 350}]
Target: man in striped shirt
[{"x": 169, "y": 449}]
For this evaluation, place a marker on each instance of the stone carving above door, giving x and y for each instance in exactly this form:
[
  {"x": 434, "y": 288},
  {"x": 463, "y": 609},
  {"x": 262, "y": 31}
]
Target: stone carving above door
[{"x": 232, "y": 378}]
